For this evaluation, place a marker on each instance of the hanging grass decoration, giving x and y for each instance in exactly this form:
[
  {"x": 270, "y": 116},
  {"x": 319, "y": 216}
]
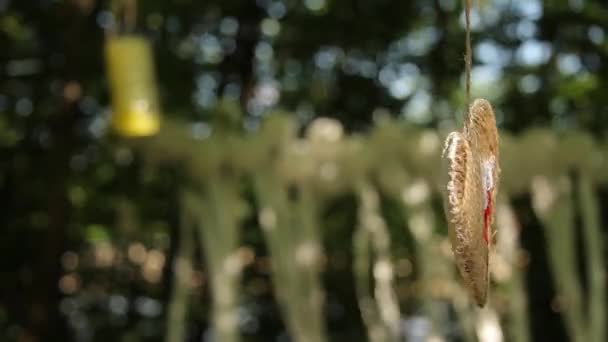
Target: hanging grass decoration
[
  {"x": 471, "y": 158},
  {"x": 135, "y": 108}
]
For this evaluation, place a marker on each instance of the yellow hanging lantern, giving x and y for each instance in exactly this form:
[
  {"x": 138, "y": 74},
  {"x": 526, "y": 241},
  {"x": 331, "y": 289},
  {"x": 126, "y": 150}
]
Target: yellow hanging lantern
[{"x": 130, "y": 68}]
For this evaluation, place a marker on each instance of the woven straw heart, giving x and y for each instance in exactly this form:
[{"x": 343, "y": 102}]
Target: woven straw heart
[{"x": 471, "y": 159}]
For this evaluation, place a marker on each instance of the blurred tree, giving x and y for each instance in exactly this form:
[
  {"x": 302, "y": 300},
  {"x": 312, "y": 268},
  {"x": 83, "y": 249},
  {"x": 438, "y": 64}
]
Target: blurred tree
[{"x": 64, "y": 179}]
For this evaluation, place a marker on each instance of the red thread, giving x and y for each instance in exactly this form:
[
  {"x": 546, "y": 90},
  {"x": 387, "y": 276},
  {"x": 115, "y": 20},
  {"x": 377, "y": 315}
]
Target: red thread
[{"x": 486, "y": 218}]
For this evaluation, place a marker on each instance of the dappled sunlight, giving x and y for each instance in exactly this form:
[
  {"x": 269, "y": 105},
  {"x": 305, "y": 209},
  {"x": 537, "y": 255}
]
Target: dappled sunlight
[{"x": 272, "y": 170}]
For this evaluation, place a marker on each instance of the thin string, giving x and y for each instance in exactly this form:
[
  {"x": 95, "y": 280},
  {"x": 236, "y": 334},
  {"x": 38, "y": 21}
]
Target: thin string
[
  {"x": 125, "y": 12},
  {"x": 130, "y": 15},
  {"x": 467, "y": 57}
]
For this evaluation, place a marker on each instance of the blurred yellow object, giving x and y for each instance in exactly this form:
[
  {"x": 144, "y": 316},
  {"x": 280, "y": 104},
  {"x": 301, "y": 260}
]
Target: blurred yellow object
[{"x": 130, "y": 68}]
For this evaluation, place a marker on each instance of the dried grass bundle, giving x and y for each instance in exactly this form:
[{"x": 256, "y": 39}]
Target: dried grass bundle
[{"x": 471, "y": 159}]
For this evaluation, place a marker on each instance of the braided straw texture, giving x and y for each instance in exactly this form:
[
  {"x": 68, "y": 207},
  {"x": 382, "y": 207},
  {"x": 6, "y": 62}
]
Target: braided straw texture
[{"x": 471, "y": 159}]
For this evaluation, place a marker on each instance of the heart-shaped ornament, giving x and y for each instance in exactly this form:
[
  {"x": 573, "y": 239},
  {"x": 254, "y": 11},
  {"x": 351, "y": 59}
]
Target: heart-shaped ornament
[{"x": 471, "y": 159}]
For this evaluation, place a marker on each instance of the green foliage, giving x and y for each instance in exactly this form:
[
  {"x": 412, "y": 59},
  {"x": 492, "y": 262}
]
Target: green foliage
[{"x": 92, "y": 224}]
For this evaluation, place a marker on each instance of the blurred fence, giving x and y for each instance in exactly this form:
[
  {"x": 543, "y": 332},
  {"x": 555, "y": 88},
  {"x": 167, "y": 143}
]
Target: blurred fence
[{"x": 291, "y": 178}]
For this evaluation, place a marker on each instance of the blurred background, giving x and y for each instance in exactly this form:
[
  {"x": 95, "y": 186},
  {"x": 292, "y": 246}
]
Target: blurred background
[{"x": 94, "y": 223}]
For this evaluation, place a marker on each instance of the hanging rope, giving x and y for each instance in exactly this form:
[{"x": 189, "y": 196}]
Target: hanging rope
[
  {"x": 467, "y": 57},
  {"x": 129, "y": 15},
  {"x": 125, "y": 14}
]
